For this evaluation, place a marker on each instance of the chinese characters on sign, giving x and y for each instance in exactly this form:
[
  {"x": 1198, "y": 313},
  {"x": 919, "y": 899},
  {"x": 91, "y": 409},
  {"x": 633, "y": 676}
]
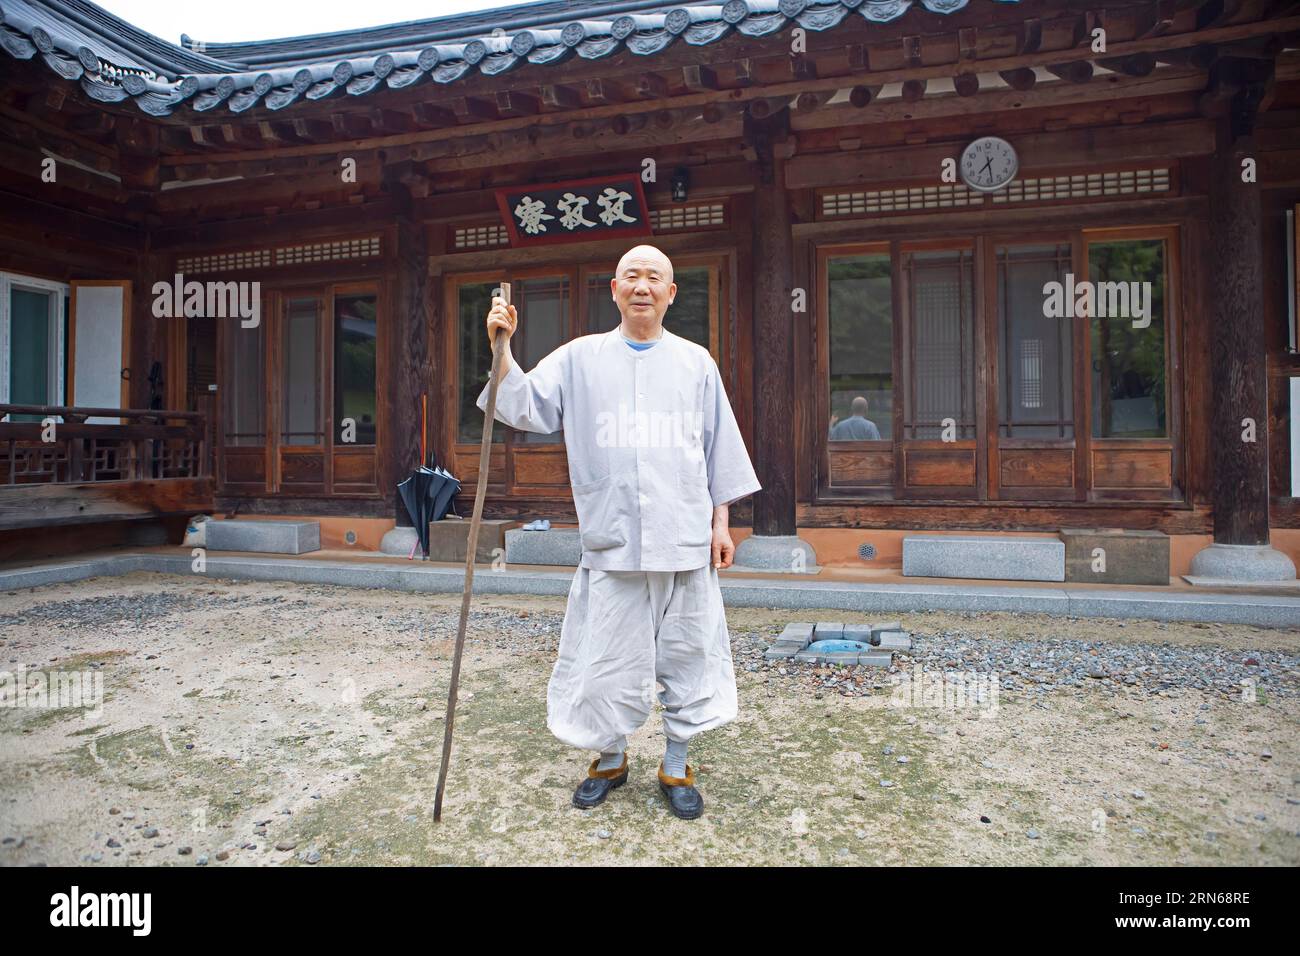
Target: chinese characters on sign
[{"x": 574, "y": 211}]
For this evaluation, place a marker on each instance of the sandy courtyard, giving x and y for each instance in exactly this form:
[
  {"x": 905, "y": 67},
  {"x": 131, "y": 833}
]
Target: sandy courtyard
[{"x": 268, "y": 724}]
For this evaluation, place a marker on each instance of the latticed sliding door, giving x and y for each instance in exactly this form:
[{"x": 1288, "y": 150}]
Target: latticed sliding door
[
  {"x": 1035, "y": 453},
  {"x": 938, "y": 428}
]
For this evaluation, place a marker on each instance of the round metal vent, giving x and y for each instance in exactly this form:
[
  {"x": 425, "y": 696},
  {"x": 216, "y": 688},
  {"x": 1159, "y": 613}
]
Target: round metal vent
[{"x": 867, "y": 552}]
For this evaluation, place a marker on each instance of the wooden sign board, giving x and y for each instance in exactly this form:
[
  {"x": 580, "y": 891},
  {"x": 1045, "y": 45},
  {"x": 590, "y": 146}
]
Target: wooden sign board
[{"x": 575, "y": 211}]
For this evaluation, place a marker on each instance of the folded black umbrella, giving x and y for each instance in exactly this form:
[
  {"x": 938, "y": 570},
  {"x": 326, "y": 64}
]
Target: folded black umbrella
[
  {"x": 446, "y": 495},
  {"x": 418, "y": 493}
]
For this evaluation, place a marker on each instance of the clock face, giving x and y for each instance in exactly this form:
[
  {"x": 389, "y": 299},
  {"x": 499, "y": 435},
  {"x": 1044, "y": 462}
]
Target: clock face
[{"x": 988, "y": 164}]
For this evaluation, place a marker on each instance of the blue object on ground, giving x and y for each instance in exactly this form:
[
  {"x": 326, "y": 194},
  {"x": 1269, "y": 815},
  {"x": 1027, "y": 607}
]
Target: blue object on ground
[
  {"x": 821, "y": 647},
  {"x": 541, "y": 524}
]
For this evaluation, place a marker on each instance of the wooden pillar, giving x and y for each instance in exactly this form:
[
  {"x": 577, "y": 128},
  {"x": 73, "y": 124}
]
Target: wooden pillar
[
  {"x": 768, "y": 145},
  {"x": 409, "y": 374},
  {"x": 152, "y": 338},
  {"x": 1236, "y": 337},
  {"x": 139, "y": 165}
]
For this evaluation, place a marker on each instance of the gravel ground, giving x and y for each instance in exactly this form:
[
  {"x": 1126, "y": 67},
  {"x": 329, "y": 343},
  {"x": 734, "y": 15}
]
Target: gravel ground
[
  {"x": 1042, "y": 666},
  {"x": 270, "y": 724}
]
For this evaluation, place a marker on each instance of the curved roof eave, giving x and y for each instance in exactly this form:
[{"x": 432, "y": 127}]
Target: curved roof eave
[{"x": 115, "y": 61}]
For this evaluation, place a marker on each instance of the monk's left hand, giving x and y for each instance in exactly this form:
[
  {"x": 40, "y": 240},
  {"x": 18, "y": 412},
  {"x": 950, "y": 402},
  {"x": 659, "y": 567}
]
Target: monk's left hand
[{"x": 724, "y": 549}]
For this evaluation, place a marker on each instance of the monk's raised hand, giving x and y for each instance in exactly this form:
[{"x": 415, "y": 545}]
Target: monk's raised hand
[{"x": 501, "y": 316}]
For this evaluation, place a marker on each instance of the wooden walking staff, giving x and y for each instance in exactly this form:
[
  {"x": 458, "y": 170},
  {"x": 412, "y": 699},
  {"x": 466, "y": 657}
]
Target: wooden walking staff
[{"x": 471, "y": 549}]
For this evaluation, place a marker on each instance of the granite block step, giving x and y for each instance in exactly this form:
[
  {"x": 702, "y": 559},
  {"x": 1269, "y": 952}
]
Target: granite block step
[
  {"x": 987, "y": 558},
  {"x": 561, "y": 547},
  {"x": 263, "y": 537},
  {"x": 449, "y": 539},
  {"x": 1115, "y": 556}
]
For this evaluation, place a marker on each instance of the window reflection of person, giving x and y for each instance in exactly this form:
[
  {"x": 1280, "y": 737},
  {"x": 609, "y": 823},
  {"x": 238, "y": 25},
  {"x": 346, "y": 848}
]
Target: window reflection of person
[{"x": 857, "y": 427}]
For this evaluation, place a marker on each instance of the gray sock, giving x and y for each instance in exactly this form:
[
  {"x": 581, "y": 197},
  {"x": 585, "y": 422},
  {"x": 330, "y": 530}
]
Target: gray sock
[
  {"x": 612, "y": 759},
  {"x": 675, "y": 758}
]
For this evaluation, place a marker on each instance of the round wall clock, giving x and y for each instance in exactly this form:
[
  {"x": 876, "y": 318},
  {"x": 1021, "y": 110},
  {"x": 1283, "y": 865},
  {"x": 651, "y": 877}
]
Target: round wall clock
[{"x": 988, "y": 164}]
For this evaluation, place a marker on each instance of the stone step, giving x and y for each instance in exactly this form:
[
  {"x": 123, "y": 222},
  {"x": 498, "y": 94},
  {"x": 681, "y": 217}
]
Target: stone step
[
  {"x": 561, "y": 547},
  {"x": 984, "y": 557},
  {"x": 449, "y": 539},
  {"x": 1114, "y": 556},
  {"x": 873, "y": 658},
  {"x": 265, "y": 537}
]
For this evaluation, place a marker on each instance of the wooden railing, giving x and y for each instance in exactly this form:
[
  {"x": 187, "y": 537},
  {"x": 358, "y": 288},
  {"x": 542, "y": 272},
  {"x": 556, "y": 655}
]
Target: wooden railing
[{"x": 60, "y": 447}]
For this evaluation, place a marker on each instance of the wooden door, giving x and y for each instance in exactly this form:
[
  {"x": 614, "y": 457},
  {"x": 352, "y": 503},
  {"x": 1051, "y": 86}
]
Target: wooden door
[
  {"x": 939, "y": 426},
  {"x": 1034, "y": 348},
  {"x": 245, "y": 420},
  {"x": 100, "y": 346},
  {"x": 300, "y": 357}
]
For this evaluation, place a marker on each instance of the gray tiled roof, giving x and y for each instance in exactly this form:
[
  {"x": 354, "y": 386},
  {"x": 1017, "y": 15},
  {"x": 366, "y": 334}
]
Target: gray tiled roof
[{"x": 114, "y": 60}]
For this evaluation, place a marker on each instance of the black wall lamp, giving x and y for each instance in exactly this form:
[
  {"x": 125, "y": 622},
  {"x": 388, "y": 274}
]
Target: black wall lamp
[{"x": 681, "y": 183}]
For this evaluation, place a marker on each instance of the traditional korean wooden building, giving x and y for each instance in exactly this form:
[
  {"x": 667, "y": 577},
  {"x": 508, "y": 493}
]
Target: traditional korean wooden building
[{"x": 878, "y": 310}]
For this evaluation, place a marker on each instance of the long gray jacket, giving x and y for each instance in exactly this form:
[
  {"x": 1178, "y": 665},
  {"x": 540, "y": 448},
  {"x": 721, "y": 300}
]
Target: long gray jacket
[{"x": 652, "y": 444}]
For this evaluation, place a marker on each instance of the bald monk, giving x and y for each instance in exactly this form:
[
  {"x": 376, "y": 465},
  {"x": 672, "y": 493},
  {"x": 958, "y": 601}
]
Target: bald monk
[{"x": 655, "y": 459}]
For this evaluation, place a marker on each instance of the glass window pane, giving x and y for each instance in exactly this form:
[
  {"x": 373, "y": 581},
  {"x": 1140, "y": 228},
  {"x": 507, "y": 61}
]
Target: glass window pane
[
  {"x": 688, "y": 316},
  {"x": 67, "y": 317},
  {"x": 355, "y": 331},
  {"x": 300, "y": 422},
  {"x": 30, "y": 349},
  {"x": 245, "y": 386},
  {"x": 200, "y": 362},
  {"x": 1128, "y": 338},
  {"x": 1035, "y": 350},
  {"x": 543, "y": 305},
  {"x": 942, "y": 361},
  {"x": 474, "y": 300},
  {"x": 602, "y": 313},
  {"x": 861, "y": 316}
]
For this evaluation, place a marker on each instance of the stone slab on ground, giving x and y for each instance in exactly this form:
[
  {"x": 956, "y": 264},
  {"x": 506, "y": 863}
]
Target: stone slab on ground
[
  {"x": 862, "y": 633},
  {"x": 880, "y": 658},
  {"x": 560, "y": 547},
  {"x": 1130, "y": 557},
  {"x": 794, "y": 637},
  {"x": 1233, "y": 583},
  {"x": 792, "y": 643},
  {"x": 895, "y": 641},
  {"x": 800, "y": 632},
  {"x": 984, "y": 558},
  {"x": 848, "y": 658},
  {"x": 449, "y": 537},
  {"x": 263, "y": 537}
]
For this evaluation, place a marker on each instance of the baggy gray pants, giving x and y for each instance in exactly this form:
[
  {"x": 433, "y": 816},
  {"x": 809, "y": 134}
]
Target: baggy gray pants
[{"x": 623, "y": 630}]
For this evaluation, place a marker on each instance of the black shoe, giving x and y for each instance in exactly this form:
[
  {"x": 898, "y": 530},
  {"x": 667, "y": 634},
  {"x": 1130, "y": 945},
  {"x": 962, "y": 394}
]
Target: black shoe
[
  {"x": 593, "y": 791},
  {"x": 683, "y": 799}
]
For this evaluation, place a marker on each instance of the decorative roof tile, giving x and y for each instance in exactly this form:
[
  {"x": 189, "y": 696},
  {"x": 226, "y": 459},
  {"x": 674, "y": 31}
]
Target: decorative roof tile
[{"x": 115, "y": 61}]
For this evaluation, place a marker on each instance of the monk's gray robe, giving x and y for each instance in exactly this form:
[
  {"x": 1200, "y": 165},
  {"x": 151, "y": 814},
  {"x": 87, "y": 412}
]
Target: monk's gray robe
[{"x": 653, "y": 446}]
